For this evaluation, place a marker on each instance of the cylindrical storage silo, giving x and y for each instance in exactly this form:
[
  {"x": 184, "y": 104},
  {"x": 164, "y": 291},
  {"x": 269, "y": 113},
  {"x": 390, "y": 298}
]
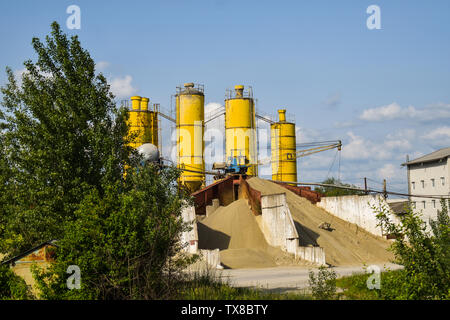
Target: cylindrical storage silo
[
  {"x": 140, "y": 121},
  {"x": 283, "y": 145},
  {"x": 240, "y": 128},
  {"x": 154, "y": 122},
  {"x": 190, "y": 116}
]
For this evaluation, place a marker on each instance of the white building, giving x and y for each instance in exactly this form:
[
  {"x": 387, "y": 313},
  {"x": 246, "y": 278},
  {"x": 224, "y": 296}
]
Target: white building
[{"x": 429, "y": 175}]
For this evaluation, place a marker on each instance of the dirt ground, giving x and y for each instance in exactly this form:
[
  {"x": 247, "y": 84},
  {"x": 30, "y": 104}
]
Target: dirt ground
[
  {"x": 234, "y": 230},
  {"x": 346, "y": 244}
]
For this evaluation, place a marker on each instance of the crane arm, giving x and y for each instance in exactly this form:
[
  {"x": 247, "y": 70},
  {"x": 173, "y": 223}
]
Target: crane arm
[
  {"x": 166, "y": 116},
  {"x": 310, "y": 151},
  {"x": 264, "y": 119},
  {"x": 304, "y": 152}
]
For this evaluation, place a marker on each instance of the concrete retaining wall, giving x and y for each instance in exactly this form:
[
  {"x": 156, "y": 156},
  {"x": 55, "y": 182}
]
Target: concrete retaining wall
[
  {"x": 313, "y": 254},
  {"x": 357, "y": 210},
  {"x": 189, "y": 239},
  {"x": 279, "y": 229},
  {"x": 277, "y": 219},
  {"x": 211, "y": 257}
]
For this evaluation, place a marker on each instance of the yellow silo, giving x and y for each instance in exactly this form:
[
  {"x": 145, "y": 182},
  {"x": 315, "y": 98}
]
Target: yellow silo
[
  {"x": 190, "y": 115},
  {"x": 240, "y": 128},
  {"x": 142, "y": 123},
  {"x": 154, "y": 124},
  {"x": 283, "y": 145}
]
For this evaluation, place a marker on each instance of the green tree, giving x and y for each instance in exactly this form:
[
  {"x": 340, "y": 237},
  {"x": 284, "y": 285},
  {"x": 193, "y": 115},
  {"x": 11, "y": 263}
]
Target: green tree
[
  {"x": 126, "y": 243},
  {"x": 12, "y": 287},
  {"x": 4, "y": 178},
  {"x": 425, "y": 255},
  {"x": 62, "y": 138},
  {"x": 334, "y": 192},
  {"x": 68, "y": 174}
]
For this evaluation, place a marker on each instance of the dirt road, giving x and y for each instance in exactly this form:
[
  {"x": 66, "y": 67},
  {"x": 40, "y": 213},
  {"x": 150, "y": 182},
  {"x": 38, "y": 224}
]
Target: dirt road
[{"x": 285, "y": 279}]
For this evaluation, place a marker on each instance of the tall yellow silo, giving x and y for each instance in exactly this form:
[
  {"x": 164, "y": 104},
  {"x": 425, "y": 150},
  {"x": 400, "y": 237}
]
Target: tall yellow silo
[
  {"x": 142, "y": 122},
  {"x": 240, "y": 127},
  {"x": 190, "y": 116},
  {"x": 154, "y": 124},
  {"x": 283, "y": 145}
]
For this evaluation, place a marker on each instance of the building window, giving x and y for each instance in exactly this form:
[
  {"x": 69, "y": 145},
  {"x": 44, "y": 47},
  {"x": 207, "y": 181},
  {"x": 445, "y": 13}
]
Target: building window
[
  {"x": 423, "y": 204},
  {"x": 443, "y": 181},
  {"x": 434, "y": 204},
  {"x": 413, "y": 185},
  {"x": 422, "y": 182},
  {"x": 432, "y": 183}
]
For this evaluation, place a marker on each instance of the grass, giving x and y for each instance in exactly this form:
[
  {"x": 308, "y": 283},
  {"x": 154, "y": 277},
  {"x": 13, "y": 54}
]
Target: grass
[
  {"x": 354, "y": 287},
  {"x": 210, "y": 286}
]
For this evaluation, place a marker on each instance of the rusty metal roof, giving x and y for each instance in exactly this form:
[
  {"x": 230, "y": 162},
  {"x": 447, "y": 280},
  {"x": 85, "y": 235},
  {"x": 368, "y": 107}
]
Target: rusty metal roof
[{"x": 29, "y": 251}]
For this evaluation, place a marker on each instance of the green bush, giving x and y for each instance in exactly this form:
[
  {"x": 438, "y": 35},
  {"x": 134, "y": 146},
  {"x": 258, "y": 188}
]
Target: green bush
[
  {"x": 12, "y": 287},
  {"x": 126, "y": 242},
  {"x": 424, "y": 255},
  {"x": 336, "y": 192},
  {"x": 323, "y": 286}
]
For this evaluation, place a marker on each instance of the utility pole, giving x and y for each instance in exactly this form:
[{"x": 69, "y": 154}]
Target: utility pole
[
  {"x": 365, "y": 186},
  {"x": 384, "y": 189}
]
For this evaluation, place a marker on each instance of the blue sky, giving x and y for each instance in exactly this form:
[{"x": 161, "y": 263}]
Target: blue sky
[{"x": 385, "y": 93}]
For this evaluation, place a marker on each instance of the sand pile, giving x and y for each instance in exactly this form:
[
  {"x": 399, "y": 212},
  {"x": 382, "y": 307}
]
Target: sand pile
[
  {"x": 234, "y": 230},
  {"x": 345, "y": 245}
]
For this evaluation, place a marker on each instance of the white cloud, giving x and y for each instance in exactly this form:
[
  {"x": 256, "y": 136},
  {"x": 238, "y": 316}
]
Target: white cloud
[
  {"x": 395, "y": 111},
  {"x": 358, "y": 148},
  {"x": 389, "y": 112},
  {"x": 121, "y": 87},
  {"x": 304, "y": 135},
  {"x": 434, "y": 111},
  {"x": 102, "y": 65},
  {"x": 211, "y": 108},
  {"x": 398, "y": 145},
  {"x": 18, "y": 74},
  {"x": 408, "y": 134},
  {"x": 214, "y": 134},
  {"x": 438, "y": 133},
  {"x": 390, "y": 172},
  {"x": 438, "y": 138}
]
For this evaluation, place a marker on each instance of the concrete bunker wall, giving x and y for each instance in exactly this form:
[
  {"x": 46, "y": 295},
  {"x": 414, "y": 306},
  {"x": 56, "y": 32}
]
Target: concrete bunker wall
[
  {"x": 279, "y": 229},
  {"x": 357, "y": 209},
  {"x": 189, "y": 240},
  {"x": 277, "y": 221}
]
